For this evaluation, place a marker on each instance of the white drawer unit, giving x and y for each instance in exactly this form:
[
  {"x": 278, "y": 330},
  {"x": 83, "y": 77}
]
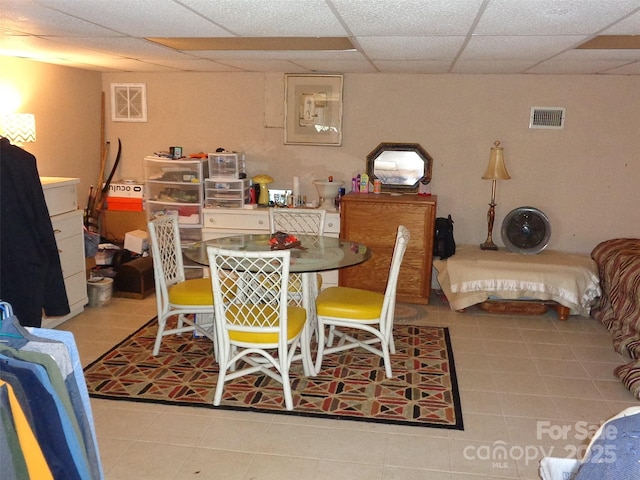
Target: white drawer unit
[
  {"x": 61, "y": 196},
  {"x": 226, "y": 193},
  {"x": 219, "y": 222},
  {"x": 226, "y": 165}
]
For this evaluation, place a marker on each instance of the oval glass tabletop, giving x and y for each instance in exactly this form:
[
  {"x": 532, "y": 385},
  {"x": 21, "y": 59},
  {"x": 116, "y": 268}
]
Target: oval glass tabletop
[{"x": 315, "y": 253}]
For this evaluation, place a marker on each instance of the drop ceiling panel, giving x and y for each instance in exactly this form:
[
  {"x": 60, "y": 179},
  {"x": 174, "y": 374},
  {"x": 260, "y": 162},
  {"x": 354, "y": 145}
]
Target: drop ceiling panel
[
  {"x": 574, "y": 67},
  {"x": 517, "y": 47},
  {"x": 28, "y": 17},
  {"x": 197, "y": 65},
  {"x": 124, "y": 46},
  {"x": 627, "y": 26},
  {"x": 411, "y": 48},
  {"x": 599, "y": 55},
  {"x": 260, "y": 18},
  {"x": 412, "y": 66},
  {"x": 140, "y": 18},
  {"x": 279, "y": 55},
  {"x": 503, "y": 67},
  {"x": 551, "y": 17},
  {"x": 412, "y": 36},
  {"x": 629, "y": 69},
  {"x": 419, "y": 17},
  {"x": 265, "y": 66},
  {"x": 338, "y": 66}
]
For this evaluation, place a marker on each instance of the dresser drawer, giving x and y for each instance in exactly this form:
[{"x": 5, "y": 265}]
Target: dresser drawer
[
  {"x": 332, "y": 225},
  {"x": 70, "y": 260},
  {"x": 237, "y": 221},
  {"x": 67, "y": 224},
  {"x": 76, "y": 286},
  {"x": 60, "y": 194}
]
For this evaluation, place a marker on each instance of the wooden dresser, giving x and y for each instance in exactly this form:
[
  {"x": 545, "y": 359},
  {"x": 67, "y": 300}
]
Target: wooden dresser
[{"x": 373, "y": 219}]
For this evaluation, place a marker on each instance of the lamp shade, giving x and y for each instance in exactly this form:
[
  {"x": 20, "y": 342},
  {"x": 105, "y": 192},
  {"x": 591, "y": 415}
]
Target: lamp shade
[
  {"x": 19, "y": 128},
  {"x": 496, "y": 170}
]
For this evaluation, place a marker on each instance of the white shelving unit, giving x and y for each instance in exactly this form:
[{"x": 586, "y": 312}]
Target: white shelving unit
[{"x": 176, "y": 187}]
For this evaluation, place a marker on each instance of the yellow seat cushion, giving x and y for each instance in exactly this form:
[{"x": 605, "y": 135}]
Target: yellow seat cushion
[
  {"x": 196, "y": 291},
  {"x": 347, "y": 302},
  {"x": 296, "y": 318}
]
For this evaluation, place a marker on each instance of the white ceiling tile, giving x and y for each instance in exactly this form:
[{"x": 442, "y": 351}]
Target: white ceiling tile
[
  {"x": 408, "y": 17},
  {"x": 265, "y": 66},
  {"x": 551, "y": 17},
  {"x": 517, "y": 47},
  {"x": 196, "y": 65},
  {"x": 28, "y": 17},
  {"x": 573, "y": 67},
  {"x": 413, "y": 66},
  {"x": 140, "y": 18},
  {"x": 629, "y": 69},
  {"x": 132, "y": 65},
  {"x": 123, "y": 46},
  {"x": 596, "y": 55},
  {"x": 260, "y": 18},
  {"x": 278, "y": 55},
  {"x": 338, "y": 66},
  {"x": 628, "y": 26},
  {"x": 412, "y": 36},
  {"x": 491, "y": 66},
  {"x": 411, "y": 48}
]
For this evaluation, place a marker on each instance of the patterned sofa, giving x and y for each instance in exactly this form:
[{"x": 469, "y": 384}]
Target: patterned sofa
[{"x": 619, "y": 306}]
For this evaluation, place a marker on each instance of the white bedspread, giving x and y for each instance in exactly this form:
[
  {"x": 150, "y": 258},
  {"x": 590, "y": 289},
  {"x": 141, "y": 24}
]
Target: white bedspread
[{"x": 472, "y": 276}]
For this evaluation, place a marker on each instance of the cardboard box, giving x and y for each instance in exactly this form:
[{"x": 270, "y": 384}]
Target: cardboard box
[
  {"x": 124, "y": 204},
  {"x": 126, "y": 190},
  {"x": 136, "y": 241}
]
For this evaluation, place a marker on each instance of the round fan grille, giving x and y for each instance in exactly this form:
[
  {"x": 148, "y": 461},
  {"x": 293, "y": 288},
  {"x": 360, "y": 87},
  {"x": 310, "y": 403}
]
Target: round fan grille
[{"x": 526, "y": 230}]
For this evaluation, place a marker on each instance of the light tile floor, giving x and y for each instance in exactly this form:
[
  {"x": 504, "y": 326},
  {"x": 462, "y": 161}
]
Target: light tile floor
[{"x": 530, "y": 386}]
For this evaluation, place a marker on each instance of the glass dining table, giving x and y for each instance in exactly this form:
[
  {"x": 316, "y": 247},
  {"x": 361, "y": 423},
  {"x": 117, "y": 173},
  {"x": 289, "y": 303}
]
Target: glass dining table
[{"x": 312, "y": 255}]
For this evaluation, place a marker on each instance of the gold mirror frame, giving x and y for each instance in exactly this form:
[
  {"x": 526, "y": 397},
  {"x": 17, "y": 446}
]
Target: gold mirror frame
[{"x": 402, "y": 172}]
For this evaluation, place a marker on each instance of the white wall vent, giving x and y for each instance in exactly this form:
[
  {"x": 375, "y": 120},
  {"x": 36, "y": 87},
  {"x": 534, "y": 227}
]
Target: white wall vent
[
  {"x": 128, "y": 102},
  {"x": 547, "y": 117}
]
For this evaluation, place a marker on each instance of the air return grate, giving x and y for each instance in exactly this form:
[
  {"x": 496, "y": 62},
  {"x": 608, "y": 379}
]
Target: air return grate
[{"x": 547, "y": 117}]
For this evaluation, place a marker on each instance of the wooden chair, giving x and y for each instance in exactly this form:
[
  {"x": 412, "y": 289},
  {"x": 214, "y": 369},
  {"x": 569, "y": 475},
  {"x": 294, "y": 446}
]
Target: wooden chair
[{"x": 354, "y": 308}]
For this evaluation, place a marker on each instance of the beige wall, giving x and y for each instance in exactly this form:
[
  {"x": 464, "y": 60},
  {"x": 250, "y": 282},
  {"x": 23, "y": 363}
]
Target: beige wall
[
  {"x": 66, "y": 105},
  {"x": 585, "y": 177}
]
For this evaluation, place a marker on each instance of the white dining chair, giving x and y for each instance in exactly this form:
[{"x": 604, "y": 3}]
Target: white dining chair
[
  {"x": 298, "y": 222},
  {"x": 341, "y": 308},
  {"x": 255, "y": 324},
  {"x": 293, "y": 220},
  {"x": 175, "y": 295}
]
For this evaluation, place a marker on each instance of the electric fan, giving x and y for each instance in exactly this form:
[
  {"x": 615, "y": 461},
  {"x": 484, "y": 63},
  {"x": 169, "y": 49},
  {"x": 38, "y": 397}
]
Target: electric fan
[{"x": 526, "y": 230}]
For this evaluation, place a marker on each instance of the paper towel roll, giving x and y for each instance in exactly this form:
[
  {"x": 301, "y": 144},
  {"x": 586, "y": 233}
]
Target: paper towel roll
[{"x": 296, "y": 187}]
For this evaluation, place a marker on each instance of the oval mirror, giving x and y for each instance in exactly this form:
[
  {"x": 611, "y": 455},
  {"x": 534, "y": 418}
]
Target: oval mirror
[{"x": 400, "y": 167}]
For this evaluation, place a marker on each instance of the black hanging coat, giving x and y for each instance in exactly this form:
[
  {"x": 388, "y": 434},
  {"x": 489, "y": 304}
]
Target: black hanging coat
[{"x": 30, "y": 272}]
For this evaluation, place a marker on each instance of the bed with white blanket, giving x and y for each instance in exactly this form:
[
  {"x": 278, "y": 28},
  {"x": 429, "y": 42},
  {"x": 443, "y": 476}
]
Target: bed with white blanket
[{"x": 473, "y": 276}]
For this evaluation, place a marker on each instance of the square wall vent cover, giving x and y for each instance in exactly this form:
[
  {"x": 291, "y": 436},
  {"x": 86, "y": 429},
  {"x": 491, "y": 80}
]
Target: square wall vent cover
[
  {"x": 128, "y": 102},
  {"x": 547, "y": 117}
]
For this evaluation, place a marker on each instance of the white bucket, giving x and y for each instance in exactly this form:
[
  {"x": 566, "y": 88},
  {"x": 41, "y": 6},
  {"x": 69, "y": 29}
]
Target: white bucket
[{"x": 100, "y": 291}]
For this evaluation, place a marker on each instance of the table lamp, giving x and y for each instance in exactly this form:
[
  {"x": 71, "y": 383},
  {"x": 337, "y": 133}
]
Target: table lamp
[
  {"x": 496, "y": 170},
  {"x": 263, "y": 180},
  {"x": 18, "y": 128}
]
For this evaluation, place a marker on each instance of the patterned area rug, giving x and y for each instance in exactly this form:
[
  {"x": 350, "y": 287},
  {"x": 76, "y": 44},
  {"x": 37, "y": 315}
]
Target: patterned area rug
[{"x": 351, "y": 386}]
